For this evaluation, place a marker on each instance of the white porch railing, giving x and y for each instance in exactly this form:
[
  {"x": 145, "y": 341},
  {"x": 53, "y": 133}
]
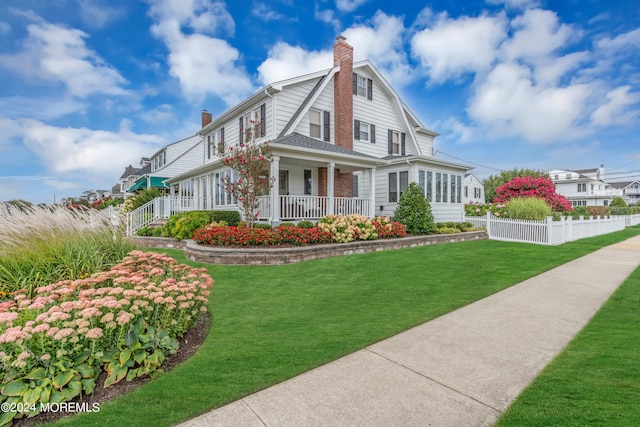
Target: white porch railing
[
  {"x": 290, "y": 208},
  {"x": 546, "y": 232}
]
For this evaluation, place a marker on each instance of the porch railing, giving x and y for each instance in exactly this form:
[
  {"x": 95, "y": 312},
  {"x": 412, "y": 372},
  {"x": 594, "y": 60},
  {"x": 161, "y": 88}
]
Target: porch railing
[{"x": 291, "y": 208}]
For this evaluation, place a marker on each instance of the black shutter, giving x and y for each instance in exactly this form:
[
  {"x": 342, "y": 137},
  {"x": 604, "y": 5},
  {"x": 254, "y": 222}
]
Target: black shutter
[
  {"x": 327, "y": 126},
  {"x": 356, "y": 129},
  {"x": 390, "y": 145},
  {"x": 355, "y": 84},
  {"x": 402, "y": 143},
  {"x": 263, "y": 120},
  {"x": 208, "y": 146},
  {"x": 221, "y": 147},
  {"x": 370, "y": 89},
  {"x": 241, "y": 130},
  {"x": 373, "y": 134}
]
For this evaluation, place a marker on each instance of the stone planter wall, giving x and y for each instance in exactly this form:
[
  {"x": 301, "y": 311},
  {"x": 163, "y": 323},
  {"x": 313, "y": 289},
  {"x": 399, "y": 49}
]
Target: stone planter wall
[{"x": 288, "y": 255}]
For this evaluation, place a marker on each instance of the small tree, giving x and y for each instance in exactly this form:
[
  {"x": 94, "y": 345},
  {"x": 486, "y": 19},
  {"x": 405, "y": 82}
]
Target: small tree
[
  {"x": 618, "y": 202},
  {"x": 494, "y": 181},
  {"x": 251, "y": 162},
  {"x": 414, "y": 211},
  {"x": 529, "y": 186}
]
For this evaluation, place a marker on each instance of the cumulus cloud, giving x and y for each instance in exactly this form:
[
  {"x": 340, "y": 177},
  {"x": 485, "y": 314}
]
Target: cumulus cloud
[
  {"x": 616, "y": 108},
  {"x": 286, "y": 61},
  {"x": 203, "y": 64},
  {"x": 349, "y": 5},
  {"x": 510, "y": 104},
  {"x": 98, "y": 14},
  {"x": 96, "y": 153},
  {"x": 262, "y": 11},
  {"x": 57, "y": 54},
  {"x": 449, "y": 48}
]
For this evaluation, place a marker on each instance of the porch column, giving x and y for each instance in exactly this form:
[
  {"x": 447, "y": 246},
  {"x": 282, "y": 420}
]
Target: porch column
[
  {"x": 331, "y": 168},
  {"x": 274, "y": 191},
  {"x": 372, "y": 192}
]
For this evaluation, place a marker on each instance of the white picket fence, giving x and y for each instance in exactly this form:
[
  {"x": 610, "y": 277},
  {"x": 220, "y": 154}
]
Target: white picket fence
[{"x": 548, "y": 231}]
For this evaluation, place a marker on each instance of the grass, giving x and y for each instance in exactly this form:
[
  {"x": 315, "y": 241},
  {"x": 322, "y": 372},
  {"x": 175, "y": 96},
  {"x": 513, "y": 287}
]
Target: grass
[
  {"x": 595, "y": 381},
  {"x": 42, "y": 245},
  {"x": 274, "y": 322}
]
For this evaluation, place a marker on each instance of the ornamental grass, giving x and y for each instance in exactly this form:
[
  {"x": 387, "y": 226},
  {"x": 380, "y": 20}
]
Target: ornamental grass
[{"x": 43, "y": 245}]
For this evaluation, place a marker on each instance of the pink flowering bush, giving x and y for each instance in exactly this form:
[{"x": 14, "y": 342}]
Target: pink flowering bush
[
  {"x": 528, "y": 186},
  {"x": 123, "y": 321},
  {"x": 479, "y": 209}
]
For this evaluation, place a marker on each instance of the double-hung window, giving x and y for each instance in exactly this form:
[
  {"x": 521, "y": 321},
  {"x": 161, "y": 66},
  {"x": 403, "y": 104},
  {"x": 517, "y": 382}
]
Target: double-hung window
[
  {"x": 398, "y": 182},
  {"x": 364, "y": 131},
  {"x": 362, "y": 86},
  {"x": 320, "y": 125}
]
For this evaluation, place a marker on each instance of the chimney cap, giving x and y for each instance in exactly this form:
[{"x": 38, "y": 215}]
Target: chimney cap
[{"x": 340, "y": 38}]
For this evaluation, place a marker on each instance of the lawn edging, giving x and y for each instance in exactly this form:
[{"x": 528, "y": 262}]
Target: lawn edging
[{"x": 290, "y": 255}]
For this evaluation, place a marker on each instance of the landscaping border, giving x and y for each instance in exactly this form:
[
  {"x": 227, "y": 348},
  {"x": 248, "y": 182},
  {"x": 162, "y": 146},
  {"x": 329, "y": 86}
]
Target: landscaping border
[{"x": 295, "y": 254}]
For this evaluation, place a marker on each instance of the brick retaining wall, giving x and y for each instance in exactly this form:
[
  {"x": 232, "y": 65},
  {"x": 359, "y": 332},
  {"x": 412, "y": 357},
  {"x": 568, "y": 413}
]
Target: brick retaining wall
[{"x": 288, "y": 255}]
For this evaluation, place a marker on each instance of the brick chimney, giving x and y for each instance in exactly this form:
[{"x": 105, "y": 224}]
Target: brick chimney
[
  {"x": 343, "y": 93},
  {"x": 206, "y": 118}
]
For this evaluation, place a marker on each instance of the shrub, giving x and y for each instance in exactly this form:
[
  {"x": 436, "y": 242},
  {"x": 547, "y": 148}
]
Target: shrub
[
  {"x": 348, "y": 228},
  {"x": 447, "y": 230},
  {"x": 479, "y": 209},
  {"x": 414, "y": 211},
  {"x": 182, "y": 225},
  {"x": 597, "y": 211},
  {"x": 144, "y": 231},
  {"x": 306, "y": 224},
  {"x": 618, "y": 202},
  {"x": 528, "y": 186},
  {"x": 286, "y": 224},
  {"x": 141, "y": 198},
  {"x": 530, "y": 208},
  {"x": 230, "y": 217},
  {"x": 262, "y": 226}
]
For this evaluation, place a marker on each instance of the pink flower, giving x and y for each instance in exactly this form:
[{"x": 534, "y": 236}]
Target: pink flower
[
  {"x": 94, "y": 333},
  {"x": 123, "y": 318}
]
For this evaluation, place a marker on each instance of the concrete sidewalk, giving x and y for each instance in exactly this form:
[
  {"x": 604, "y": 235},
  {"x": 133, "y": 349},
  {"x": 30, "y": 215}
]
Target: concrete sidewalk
[{"x": 461, "y": 369}]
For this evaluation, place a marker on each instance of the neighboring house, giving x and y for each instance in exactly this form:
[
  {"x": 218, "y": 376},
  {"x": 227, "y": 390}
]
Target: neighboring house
[
  {"x": 130, "y": 176},
  {"x": 93, "y": 195},
  {"x": 473, "y": 189},
  {"x": 630, "y": 191},
  {"x": 170, "y": 160},
  {"x": 584, "y": 187},
  {"x": 342, "y": 142}
]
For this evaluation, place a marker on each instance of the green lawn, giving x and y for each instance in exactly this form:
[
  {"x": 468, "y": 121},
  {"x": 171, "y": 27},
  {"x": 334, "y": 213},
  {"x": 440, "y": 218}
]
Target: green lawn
[
  {"x": 274, "y": 322},
  {"x": 595, "y": 381}
]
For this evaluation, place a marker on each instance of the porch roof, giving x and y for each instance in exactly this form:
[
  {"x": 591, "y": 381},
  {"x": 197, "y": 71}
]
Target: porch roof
[{"x": 297, "y": 140}]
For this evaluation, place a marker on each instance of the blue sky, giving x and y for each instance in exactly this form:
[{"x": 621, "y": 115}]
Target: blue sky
[{"x": 90, "y": 86}]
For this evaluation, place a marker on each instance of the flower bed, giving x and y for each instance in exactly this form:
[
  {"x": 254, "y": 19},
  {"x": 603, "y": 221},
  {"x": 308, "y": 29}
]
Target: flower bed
[{"x": 124, "y": 321}]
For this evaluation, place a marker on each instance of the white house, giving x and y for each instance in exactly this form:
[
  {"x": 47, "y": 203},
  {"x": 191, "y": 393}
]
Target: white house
[
  {"x": 342, "y": 142},
  {"x": 584, "y": 187},
  {"x": 172, "y": 159},
  {"x": 630, "y": 191},
  {"x": 473, "y": 189}
]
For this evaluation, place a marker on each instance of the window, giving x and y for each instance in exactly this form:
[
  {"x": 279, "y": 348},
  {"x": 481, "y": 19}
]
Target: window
[
  {"x": 582, "y": 187},
  {"x": 445, "y": 187},
  {"x": 364, "y": 131},
  {"x": 466, "y": 191},
  {"x": 393, "y": 187},
  {"x": 453, "y": 188},
  {"x": 556, "y": 177},
  {"x": 259, "y": 117},
  {"x": 568, "y": 176},
  {"x": 396, "y": 142},
  {"x": 398, "y": 182},
  {"x": 579, "y": 203},
  {"x": 362, "y": 86},
  {"x": 429, "y": 186},
  {"x": 159, "y": 161},
  {"x": 438, "y": 187},
  {"x": 356, "y": 186},
  {"x": 307, "y": 181},
  {"x": 458, "y": 187},
  {"x": 421, "y": 178},
  {"x": 218, "y": 140},
  {"x": 477, "y": 192},
  {"x": 315, "y": 126}
]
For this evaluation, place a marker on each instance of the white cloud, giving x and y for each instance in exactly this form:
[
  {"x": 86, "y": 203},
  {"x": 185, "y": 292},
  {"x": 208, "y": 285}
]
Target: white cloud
[
  {"x": 161, "y": 114},
  {"x": 349, "y": 5},
  {"x": 510, "y": 104},
  {"x": 381, "y": 42},
  {"x": 537, "y": 34},
  {"x": 97, "y": 14},
  {"x": 95, "y": 153},
  {"x": 286, "y": 61},
  {"x": 54, "y": 53},
  {"x": 616, "y": 108},
  {"x": 42, "y": 108},
  {"x": 453, "y": 47},
  {"x": 459, "y": 131},
  {"x": 627, "y": 40},
  {"x": 201, "y": 63},
  {"x": 327, "y": 16},
  {"x": 550, "y": 71},
  {"x": 262, "y": 11}
]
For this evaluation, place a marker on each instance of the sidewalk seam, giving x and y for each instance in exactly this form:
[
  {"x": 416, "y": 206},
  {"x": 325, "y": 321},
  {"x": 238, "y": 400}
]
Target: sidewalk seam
[
  {"x": 433, "y": 380},
  {"x": 254, "y": 412}
]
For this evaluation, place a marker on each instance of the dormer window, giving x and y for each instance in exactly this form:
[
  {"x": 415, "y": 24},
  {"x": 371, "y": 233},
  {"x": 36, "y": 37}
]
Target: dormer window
[
  {"x": 320, "y": 125},
  {"x": 362, "y": 86}
]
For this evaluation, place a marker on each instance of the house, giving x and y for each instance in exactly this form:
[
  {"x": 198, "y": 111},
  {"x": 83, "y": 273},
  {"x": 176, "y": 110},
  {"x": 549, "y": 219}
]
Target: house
[
  {"x": 342, "y": 142},
  {"x": 630, "y": 191},
  {"x": 172, "y": 159},
  {"x": 473, "y": 189},
  {"x": 584, "y": 187},
  {"x": 131, "y": 175}
]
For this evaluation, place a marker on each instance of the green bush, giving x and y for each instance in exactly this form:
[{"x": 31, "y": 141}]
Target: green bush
[
  {"x": 141, "y": 198},
  {"x": 262, "y": 225},
  {"x": 182, "y": 225},
  {"x": 230, "y": 217},
  {"x": 530, "y": 208},
  {"x": 447, "y": 230},
  {"x": 306, "y": 224},
  {"x": 414, "y": 211},
  {"x": 631, "y": 210},
  {"x": 144, "y": 231},
  {"x": 618, "y": 202},
  {"x": 286, "y": 224}
]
